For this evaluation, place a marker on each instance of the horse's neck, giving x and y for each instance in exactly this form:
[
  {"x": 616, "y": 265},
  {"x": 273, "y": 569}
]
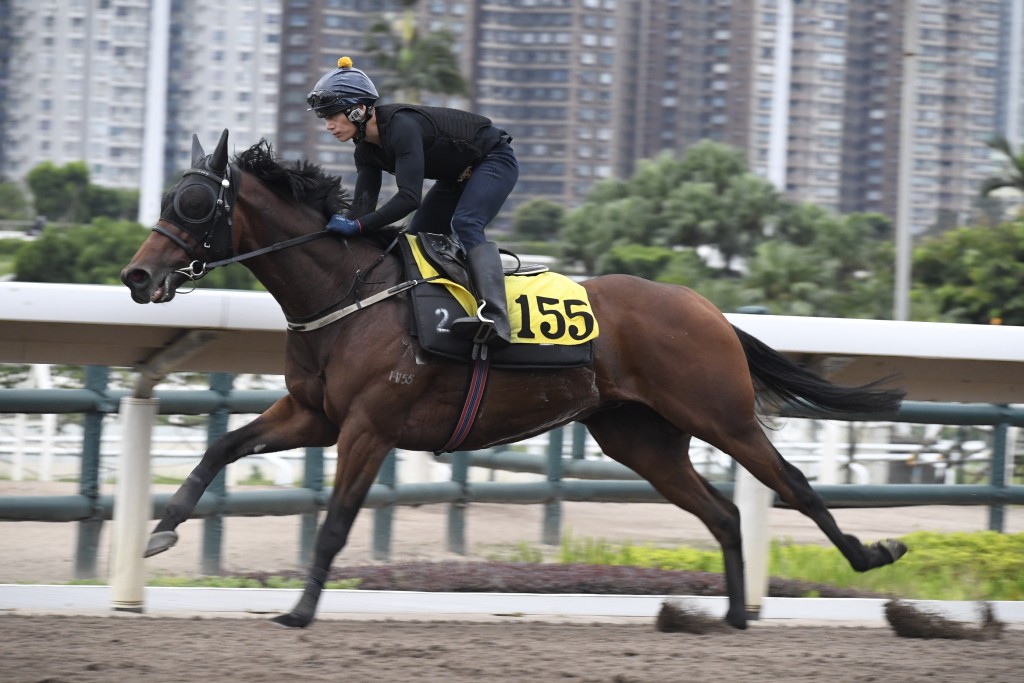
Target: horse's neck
[{"x": 310, "y": 277}]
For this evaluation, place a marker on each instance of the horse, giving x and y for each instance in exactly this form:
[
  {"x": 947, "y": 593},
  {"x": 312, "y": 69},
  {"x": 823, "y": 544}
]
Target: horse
[{"x": 667, "y": 366}]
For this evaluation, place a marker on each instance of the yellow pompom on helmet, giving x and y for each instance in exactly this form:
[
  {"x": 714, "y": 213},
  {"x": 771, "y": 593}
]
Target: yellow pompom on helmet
[{"x": 340, "y": 89}]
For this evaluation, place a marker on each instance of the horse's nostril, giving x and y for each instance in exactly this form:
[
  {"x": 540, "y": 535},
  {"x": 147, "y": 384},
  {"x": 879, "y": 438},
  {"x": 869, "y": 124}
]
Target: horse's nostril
[{"x": 136, "y": 276}]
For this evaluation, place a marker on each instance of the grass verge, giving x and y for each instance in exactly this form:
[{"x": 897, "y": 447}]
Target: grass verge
[{"x": 983, "y": 565}]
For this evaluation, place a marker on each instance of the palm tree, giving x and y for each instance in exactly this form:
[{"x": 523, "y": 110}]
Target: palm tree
[
  {"x": 1014, "y": 176},
  {"x": 411, "y": 62}
]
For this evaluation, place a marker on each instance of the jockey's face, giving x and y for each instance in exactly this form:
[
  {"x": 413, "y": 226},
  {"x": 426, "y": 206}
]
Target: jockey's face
[{"x": 340, "y": 127}]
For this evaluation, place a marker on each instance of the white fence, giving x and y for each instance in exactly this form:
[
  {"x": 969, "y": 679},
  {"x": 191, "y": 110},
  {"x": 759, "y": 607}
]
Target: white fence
[{"x": 35, "y": 448}]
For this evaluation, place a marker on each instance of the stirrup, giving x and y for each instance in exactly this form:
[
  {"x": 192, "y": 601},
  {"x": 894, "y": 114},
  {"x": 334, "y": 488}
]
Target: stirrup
[{"x": 485, "y": 334}]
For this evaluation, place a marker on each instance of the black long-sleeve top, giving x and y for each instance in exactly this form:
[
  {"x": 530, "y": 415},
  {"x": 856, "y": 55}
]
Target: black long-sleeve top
[{"x": 416, "y": 143}]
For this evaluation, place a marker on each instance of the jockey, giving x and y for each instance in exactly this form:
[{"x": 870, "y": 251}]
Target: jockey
[{"x": 471, "y": 161}]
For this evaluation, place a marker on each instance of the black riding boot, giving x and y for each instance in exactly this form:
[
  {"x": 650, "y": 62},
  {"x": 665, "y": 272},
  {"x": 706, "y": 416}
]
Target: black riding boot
[{"x": 490, "y": 325}]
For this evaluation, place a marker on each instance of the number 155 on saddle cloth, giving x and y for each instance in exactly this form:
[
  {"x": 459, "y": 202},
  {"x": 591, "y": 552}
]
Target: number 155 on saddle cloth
[{"x": 545, "y": 308}]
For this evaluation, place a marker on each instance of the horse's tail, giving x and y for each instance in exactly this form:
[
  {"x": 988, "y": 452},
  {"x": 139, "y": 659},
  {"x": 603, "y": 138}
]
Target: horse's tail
[{"x": 780, "y": 381}]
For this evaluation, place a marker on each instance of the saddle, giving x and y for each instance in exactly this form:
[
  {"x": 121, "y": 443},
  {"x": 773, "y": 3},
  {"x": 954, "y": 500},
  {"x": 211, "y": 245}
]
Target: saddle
[
  {"x": 446, "y": 256},
  {"x": 435, "y": 306}
]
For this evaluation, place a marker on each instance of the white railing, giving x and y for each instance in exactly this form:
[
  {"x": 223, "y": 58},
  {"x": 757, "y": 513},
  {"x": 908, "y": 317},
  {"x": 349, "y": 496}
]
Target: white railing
[{"x": 31, "y": 448}]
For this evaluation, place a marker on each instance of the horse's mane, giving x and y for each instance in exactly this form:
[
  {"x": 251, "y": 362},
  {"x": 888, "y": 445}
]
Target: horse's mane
[{"x": 299, "y": 181}]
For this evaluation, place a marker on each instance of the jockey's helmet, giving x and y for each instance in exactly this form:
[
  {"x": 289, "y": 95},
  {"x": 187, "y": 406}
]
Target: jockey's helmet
[{"x": 341, "y": 89}]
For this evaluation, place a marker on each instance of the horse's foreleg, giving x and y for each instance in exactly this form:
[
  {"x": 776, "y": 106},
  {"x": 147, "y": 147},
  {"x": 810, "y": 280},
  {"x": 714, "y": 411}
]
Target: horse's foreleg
[
  {"x": 283, "y": 426},
  {"x": 652, "y": 447},
  {"x": 359, "y": 460}
]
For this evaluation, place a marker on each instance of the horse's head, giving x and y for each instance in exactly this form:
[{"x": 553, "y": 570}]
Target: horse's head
[{"x": 194, "y": 227}]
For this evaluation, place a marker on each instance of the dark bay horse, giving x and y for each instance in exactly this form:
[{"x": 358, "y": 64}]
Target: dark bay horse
[{"x": 666, "y": 367}]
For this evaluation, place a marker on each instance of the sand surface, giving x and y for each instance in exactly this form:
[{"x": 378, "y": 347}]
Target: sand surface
[{"x": 123, "y": 647}]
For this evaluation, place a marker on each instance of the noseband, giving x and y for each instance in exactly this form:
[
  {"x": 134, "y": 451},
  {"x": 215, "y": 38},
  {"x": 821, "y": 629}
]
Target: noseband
[{"x": 216, "y": 237}]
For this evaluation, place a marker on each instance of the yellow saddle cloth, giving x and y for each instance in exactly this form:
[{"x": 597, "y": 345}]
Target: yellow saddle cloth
[{"x": 546, "y": 308}]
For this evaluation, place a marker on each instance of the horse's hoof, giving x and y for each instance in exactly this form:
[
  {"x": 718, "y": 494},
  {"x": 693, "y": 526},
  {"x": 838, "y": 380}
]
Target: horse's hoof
[
  {"x": 160, "y": 541},
  {"x": 739, "y": 621},
  {"x": 892, "y": 548},
  {"x": 291, "y": 620}
]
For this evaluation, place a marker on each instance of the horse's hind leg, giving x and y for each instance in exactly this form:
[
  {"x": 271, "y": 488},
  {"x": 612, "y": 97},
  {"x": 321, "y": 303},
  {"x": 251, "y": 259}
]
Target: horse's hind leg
[
  {"x": 752, "y": 449},
  {"x": 651, "y": 446},
  {"x": 283, "y": 426}
]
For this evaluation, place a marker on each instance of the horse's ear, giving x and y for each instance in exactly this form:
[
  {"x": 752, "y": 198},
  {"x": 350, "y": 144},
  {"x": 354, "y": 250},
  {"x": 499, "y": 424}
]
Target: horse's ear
[
  {"x": 197, "y": 150},
  {"x": 220, "y": 155}
]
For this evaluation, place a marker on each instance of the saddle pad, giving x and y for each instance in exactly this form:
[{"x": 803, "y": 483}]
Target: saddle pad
[{"x": 552, "y": 322}]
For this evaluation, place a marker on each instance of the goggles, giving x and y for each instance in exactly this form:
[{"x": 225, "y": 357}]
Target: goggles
[{"x": 327, "y": 103}]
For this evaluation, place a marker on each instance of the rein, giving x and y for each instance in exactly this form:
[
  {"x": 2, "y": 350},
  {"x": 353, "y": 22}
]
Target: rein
[
  {"x": 265, "y": 250},
  {"x": 326, "y": 319},
  {"x": 216, "y": 240},
  {"x": 358, "y": 305}
]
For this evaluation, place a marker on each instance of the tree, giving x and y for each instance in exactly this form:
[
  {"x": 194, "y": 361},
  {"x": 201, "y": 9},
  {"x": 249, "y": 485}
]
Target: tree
[
  {"x": 91, "y": 254},
  {"x": 593, "y": 229},
  {"x": 713, "y": 162},
  {"x": 677, "y": 266},
  {"x": 65, "y": 194},
  {"x": 59, "y": 191},
  {"x": 14, "y": 205},
  {"x": 96, "y": 253},
  {"x": 412, "y": 62},
  {"x": 538, "y": 219},
  {"x": 843, "y": 268},
  {"x": 707, "y": 198},
  {"x": 974, "y": 274},
  {"x": 107, "y": 202},
  {"x": 748, "y": 204},
  {"x": 52, "y": 257},
  {"x": 1013, "y": 177}
]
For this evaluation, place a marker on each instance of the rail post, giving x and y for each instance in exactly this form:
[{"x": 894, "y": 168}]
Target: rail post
[
  {"x": 384, "y": 515},
  {"x": 997, "y": 513},
  {"x": 457, "y": 508},
  {"x": 213, "y": 526},
  {"x": 96, "y": 380},
  {"x": 552, "y": 531},
  {"x": 132, "y": 504},
  {"x": 312, "y": 479},
  {"x": 754, "y": 501},
  {"x": 579, "y": 440}
]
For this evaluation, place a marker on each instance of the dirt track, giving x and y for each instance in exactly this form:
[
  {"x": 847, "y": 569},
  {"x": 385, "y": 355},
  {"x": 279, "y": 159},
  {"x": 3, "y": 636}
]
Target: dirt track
[
  {"x": 95, "y": 649},
  {"x": 122, "y": 647}
]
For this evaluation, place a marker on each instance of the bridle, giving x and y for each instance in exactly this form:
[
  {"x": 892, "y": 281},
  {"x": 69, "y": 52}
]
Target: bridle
[{"x": 212, "y": 231}]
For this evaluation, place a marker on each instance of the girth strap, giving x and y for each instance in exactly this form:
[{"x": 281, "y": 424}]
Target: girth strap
[{"x": 474, "y": 397}]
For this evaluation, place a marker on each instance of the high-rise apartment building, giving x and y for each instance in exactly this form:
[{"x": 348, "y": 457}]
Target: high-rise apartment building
[
  {"x": 586, "y": 87},
  {"x": 315, "y": 34},
  {"x": 845, "y": 77},
  {"x": 223, "y": 73},
  {"x": 686, "y": 78},
  {"x": 550, "y": 73},
  {"x": 818, "y": 66},
  {"x": 5, "y": 63},
  {"x": 76, "y": 87},
  {"x": 76, "y": 83}
]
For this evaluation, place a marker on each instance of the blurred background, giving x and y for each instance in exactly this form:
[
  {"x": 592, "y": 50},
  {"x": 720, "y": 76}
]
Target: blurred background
[{"x": 802, "y": 156}]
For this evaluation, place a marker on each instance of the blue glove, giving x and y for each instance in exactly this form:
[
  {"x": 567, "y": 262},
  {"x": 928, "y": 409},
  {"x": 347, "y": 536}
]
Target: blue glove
[{"x": 346, "y": 226}]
